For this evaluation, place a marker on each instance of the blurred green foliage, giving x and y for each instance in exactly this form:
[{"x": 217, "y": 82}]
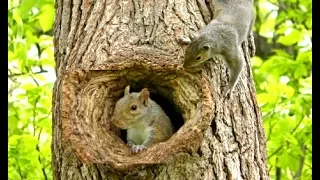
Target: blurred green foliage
[
  {"x": 282, "y": 74},
  {"x": 30, "y": 81},
  {"x": 281, "y": 67}
]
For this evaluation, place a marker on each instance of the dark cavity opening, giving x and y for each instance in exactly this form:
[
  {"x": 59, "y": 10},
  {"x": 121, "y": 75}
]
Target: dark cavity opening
[{"x": 170, "y": 110}]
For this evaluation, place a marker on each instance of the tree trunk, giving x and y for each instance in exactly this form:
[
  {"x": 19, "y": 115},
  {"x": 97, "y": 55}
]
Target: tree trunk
[{"x": 101, "y": 47}]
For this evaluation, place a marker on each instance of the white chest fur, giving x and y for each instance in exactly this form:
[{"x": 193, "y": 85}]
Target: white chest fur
[{"x": 139, "y": 135}]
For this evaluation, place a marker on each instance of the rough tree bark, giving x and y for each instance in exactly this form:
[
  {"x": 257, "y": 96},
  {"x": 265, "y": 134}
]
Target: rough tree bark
[{"x": 102, "y": 46}]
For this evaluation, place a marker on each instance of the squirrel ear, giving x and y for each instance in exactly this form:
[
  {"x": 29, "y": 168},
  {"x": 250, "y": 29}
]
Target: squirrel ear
[
  {"x": 126, "y": 90},
  {"x": 144, "y": 96}
]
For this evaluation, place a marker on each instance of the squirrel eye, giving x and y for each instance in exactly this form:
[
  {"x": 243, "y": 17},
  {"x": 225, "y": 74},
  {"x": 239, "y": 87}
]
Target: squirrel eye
[
  {"x": 205, "y": 47},
  {"x": 198, "y": 58},
  {"x": 133, "y": 107}
]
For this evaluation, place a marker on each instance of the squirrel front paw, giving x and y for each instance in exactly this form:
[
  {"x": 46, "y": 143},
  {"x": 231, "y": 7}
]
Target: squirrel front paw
[
  {"x": 137, "y": 148},
  {"x": 226, "y": 93},
  {"x": 185, "y": 39}
]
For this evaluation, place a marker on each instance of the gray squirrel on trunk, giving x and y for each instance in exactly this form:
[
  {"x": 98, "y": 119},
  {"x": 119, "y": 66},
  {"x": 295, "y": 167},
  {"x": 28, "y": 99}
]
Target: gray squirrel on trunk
[{"x": 222, "y": 37}]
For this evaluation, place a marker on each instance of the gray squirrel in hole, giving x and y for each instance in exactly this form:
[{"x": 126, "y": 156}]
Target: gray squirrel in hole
[
  {"x": 145, "y": 121},
  {"x": 222, "y": 37}
]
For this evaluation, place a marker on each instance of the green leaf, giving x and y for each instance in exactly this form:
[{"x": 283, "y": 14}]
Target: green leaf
[
  {"x": 305, "y": 57},
  {"x": 282, "y": 54},
  {"x": 14, "y": 175},
  {"x": 294, "y": 37},
  {"x": 26, "y": 6},
  {"x": 11, "y": 55},
  {"x": 17, "y": 18},
  {"x": 306, "y": 86},
  {"x": 46, "y": 17},
  {"x": 288, "y": 91},
  {"x": 43, "y": 110},
  {"x": 300, "y": 71},
  {"x": 267, "y": 98},
  {"x": 12, "y": 123},
  {"x": 21, "y": 96},
  {"x": 256, "y": 61},
  {"x": 285, "y": 160},
  {"x": 24, "y": 161},
  {"x": 46, "y": 61},
  {"x": 28, "y": 86},
  {"x": 40, "y": 77},
  {"x": 291, "y": 139}
]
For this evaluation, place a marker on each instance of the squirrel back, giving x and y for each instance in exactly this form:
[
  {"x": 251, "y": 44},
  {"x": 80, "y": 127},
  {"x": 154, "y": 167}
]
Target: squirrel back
[
  {"x": 145, "y": 121},
  {"x": 238, "y": 14}
]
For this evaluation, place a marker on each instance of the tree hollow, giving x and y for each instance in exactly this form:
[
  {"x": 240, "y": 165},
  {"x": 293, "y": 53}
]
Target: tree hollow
[{"x": 88, "y": 99}]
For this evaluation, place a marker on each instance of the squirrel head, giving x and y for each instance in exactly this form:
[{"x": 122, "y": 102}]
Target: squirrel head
[
  {"x": 197, "y": 52},
  {"x": 131, "y": 109}
]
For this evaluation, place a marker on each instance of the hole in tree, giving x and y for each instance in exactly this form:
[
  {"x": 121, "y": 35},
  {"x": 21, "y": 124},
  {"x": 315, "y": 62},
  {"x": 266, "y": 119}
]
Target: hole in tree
[
  {"x": 168, "y": 107},
  {"x": 123, "y": 135}
]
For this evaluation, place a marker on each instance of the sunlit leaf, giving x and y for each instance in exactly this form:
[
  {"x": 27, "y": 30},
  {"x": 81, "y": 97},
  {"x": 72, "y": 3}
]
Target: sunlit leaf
[
  {"x": 26, "y": 6},
  {"x": 291, "y": 38},
  {"x": 46, "y": 17}
]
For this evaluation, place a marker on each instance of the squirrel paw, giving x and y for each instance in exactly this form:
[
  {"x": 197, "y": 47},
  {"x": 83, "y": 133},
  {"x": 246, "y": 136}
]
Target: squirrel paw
[
  {"x": 185, "y": 39},
  {"x": 226, "y": 93},
  {"x": 137, "y": 148}
]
